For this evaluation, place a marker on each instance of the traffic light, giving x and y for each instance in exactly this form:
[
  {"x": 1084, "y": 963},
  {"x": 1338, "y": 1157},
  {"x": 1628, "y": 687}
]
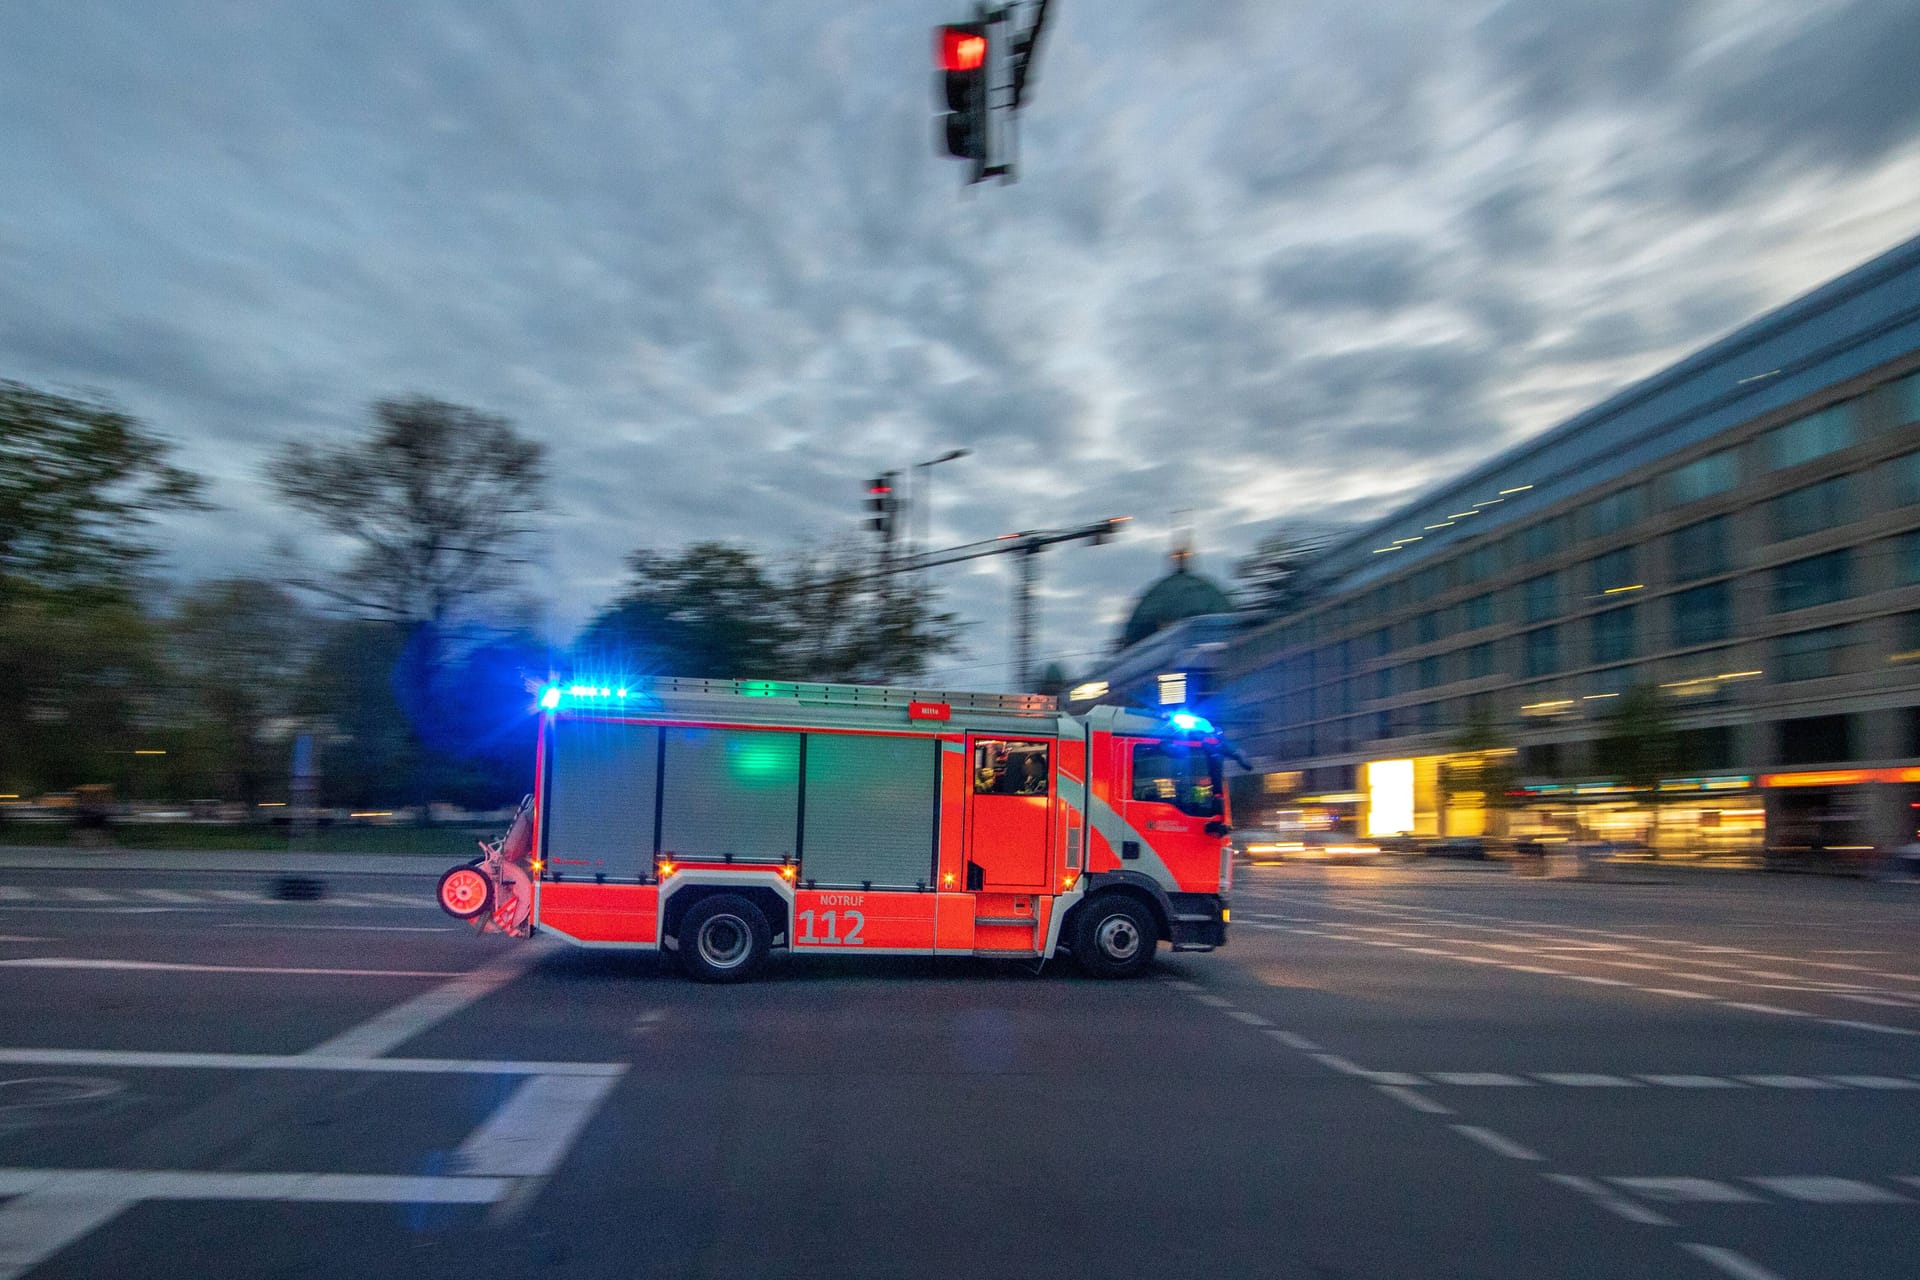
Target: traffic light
[
  {"x": 880, "y": 503},
  {"x": 961, "y": 54}
]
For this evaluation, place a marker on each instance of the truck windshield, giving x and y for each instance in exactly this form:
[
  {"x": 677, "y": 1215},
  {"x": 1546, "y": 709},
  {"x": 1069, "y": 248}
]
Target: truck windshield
[{"x": 1181, "y": 774}]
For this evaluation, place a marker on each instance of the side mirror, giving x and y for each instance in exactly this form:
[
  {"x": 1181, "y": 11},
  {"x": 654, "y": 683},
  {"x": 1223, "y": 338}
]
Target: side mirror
[{"x": 1217, "y": 828}]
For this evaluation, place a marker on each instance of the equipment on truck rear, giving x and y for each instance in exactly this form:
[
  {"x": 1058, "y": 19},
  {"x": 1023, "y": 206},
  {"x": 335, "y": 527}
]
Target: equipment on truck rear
[{"x": 723, "y": 820}]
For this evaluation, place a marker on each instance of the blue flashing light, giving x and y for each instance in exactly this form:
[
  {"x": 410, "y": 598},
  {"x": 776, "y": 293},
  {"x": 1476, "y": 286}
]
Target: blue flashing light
[
  {"x": 621, "y": 693},
  {"x": 1188, "y": 722},
  {"x": 550, "y": 697}
]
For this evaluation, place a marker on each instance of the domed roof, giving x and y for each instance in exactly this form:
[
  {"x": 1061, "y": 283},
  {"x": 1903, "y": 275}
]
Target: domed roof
[{"x": 1181, "y": 594}]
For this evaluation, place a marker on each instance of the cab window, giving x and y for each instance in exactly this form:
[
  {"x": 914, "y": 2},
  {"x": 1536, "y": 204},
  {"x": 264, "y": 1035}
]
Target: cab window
[
  {"x": 1009, "y": 768},
  {"x": 1187, "y": 777}
]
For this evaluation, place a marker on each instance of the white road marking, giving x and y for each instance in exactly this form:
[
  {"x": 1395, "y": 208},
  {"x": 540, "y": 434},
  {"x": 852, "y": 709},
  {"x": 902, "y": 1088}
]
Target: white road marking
[
  {"x": 166, "y": 895},
  {"x": 13, "y": 893},
  {"x": 1493, "y": 1078},
  {"x": 1207, "y": 997},
  {"x": 1686, "y": 1190},
  {"x": 239, "y": 895},
  {"x": 135, "y": 1058},
  {"x": 401, "y": 1023},
  {"x": 41, "y": 1222},
  {"x": 1876, "y": 1082},
  {"x": 1251, "y": 1019},
  {"x": 1789, "y": 1082},
  {"x": 1610, "y": 1200},
  {"x": 21, "y": 937},
  {"x": 1499, "y": 1144},
  {"x": 1736, "y": 1265},
  {"x": 354, "y": 928},
  {"x": 1676, "y": 993},
  {"x": 1294, "y": 1041},
  {"x": 1880, "y": 1027},
  {"x": 159, "y": 966},
  {"x": 79, "y": 894},
  {"x": 1773, "y": 1009},
  {"x": 530, "y": 1133},
  {"x": 1587, "y": 1080},
  {"x": 1694, "y": 1082},
  {"x": 1418, "y": 1101},
  {"x": 128, "y": 1185},
  {"x": 1829, "y": 1190}
]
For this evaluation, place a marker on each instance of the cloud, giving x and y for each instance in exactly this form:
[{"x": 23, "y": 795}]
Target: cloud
[{"x": 1263, "y": 262}]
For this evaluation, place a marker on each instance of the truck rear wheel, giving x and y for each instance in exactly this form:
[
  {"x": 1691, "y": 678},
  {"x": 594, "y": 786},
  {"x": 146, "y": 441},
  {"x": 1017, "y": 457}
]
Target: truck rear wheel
[
  {"x": 466, "y": 892},
  {"x": 724, "y": 938},
  {"x": 1114, "y": 937}
]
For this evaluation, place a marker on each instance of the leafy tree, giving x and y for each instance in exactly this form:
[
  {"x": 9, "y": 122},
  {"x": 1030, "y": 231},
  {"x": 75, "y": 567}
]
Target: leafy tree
[
  {"x": 1480, "y": 761},
  {"x": 79, "y": 481},
  {"x": 1639, "y": 745},
  {"x": 239, "y": 647},
  {"x": 437, "y": 501},
  {"x": 713, "y": 609}
]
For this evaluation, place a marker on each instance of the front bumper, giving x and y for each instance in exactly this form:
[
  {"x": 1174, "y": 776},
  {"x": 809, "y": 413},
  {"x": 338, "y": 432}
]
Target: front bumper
[{"x": 1197, "y": 921}]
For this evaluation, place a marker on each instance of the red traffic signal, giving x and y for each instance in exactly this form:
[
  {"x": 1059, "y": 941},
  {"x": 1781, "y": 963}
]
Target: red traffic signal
[{"x": 962, "y": 48}]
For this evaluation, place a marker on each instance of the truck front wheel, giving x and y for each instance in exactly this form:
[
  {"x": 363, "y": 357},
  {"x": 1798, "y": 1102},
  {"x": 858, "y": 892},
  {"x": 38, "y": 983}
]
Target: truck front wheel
[
  {"x": 724, "y": 938},
  {"x": 1115, "y": 937}
]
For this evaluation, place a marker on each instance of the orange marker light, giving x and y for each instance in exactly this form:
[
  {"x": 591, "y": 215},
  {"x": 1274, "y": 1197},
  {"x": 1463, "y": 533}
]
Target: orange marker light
[
  {"x": 788, "y": 872},
  {"x": 538, "y": 864},
  {"x": 666, "y": 869},
  {"x": 947, "y": 879}
]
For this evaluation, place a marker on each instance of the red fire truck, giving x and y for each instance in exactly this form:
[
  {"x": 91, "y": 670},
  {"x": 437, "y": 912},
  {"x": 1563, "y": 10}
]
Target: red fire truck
[{"x": 722, "y": 820}]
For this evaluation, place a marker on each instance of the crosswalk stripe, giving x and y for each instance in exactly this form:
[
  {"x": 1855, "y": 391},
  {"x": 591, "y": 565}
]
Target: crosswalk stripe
[
  {"x": 1829, "y": 1190},
  {"x": 1694, "y": 1082},
  {"x": 1789, "y": 1082},
  {"x": 167, "y": 895},
  {"x": 1686, "y": 1190},
  {"x": 1478, "y": 1078},
  {"x": 1876, "y": 1082},
  {"x": 1587, "y": 1079},
  {"x": 85, "y": 895}
]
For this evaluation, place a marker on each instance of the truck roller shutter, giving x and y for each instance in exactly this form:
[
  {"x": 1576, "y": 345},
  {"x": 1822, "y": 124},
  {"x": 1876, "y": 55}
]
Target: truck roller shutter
[
  {"x": 870, "y": 810},
  {"x": 600, "y": 807},
  {"x": 731, "y": 792}
]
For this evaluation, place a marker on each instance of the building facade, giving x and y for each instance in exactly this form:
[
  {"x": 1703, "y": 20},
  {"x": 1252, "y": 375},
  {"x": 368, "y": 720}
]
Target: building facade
[{"x": 1723, "y": 559}]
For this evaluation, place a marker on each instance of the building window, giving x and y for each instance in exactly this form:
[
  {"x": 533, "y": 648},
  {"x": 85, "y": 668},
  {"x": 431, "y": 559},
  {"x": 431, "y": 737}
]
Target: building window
[
  {"x": 1544, "y": 539},
  {"x": 1699, "y": 550},
  {"x": 1540, "y": 597},
  {"x": 1383, "y": 724},
  {"x": 1813, "y": 740},
  {"x": 1815, "y": 580},
  {"x": 1429, "y": 717},
  {"x": 1478, "y": 612},
  {"x": 1383, "y": 683},
  {"x": 1703, "y": 477},
  {"x": 1543, "y": 651},
  {"x": 1481, "y": 563},
  {"x": 1612, "y": 513},
  {"x": 1813, "y": 508},
  {"x": 1480, "y": 661},
  {"x": 1906, "y": 570},
  {"x": 1906, "y": 402},
  {"x": 1614, "y": 569},
  {"x": 1613, "y": 635},
  {"x": 1812, "y": 655},
  {"x": 1429, "y": 672},
  {"x": 1383, "y": 642},
  {"x": 1814, "y": 436},
  {"x": 1903, "y": 476},
  {"x": 1428, "y": 628},
  {"x": 1701, "y": 616}
]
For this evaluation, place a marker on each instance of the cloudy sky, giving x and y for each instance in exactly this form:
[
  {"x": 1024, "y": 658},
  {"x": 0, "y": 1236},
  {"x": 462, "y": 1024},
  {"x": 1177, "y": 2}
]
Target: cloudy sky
[{"x": 1267, "y": 259}]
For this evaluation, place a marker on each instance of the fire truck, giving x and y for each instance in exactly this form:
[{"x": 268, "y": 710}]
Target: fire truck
[{"x": 724, "y": 820}]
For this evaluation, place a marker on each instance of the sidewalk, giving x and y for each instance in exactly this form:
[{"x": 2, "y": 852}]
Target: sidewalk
[{"x": 271, "y": 861}]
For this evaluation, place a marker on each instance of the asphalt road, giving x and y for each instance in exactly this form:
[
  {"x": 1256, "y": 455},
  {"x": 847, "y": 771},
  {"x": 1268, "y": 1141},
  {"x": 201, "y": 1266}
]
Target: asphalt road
[{"x": 1424, "y": 1072}]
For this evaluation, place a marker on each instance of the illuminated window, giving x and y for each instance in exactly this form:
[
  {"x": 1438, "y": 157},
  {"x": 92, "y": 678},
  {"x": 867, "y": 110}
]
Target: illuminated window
[
  {"x": 1814, "y": 436},
  {"x": 1703, "y": 478},
  {"x": 1389, "y": 797},
  {"x": 1813, "y": 581}
]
